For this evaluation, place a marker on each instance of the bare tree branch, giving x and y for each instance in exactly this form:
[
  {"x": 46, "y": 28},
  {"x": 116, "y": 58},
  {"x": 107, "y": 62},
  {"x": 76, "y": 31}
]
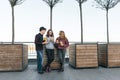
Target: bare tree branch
[
  {"x": 47, "y": 1},
  {"x": 52, "y": 3},
  {"x": 107, "y": 4},
  {"x": 16, "y": 2},
  {"x": 81, "y": 19},
  {"x": 81, "y": 1}
]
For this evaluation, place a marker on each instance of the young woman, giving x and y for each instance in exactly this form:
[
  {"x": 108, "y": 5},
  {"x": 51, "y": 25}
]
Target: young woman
[
  {"x": 62, "y": 43},
  {"x": 49, "y": 49}
]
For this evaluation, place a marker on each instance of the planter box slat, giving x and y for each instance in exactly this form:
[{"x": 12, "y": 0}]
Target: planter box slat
[
  {"x": 13, "y": 57},
  {"x": 83, "y": 55},
  {"x": 55, "y": 64},
  {"x": 86, "y": 65},
  {"x": 72, "y": 59},
  {"x": 109, "y": 54}
]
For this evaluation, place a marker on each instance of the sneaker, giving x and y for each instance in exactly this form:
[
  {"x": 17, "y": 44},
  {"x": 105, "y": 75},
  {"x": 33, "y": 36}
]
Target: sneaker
[
  {"x": 46, "y": 70},
  {"x": 59, "y": 70},
  {"x": 62, "y": 69},
  {"x": 49, "y": 69},
  {"x": 41, "y": 72}
]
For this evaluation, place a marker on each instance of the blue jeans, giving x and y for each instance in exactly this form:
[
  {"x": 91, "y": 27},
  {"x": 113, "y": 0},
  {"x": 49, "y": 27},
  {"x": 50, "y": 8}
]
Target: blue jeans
[
  {"x": 61, "y": 56},
  {"x": 39, "y": 60}
]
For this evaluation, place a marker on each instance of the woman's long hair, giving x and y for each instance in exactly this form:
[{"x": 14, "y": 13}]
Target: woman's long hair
[
  {"x": 48, "y": 35},
  {"x": 62, "y": 35}
]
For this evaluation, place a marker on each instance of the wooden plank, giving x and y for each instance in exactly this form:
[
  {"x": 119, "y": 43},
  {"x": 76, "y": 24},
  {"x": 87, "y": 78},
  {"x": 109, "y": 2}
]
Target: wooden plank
[
  {"x": 86, "y": 51},
  {"x": 113, "y": 55},
  {"x": 85, "y": 47},
  {"x": 87, "y": 57},
  {"x": 87, "y": 54},
  {"x": 86, "y": 60},
  {"x": 87, "y": 65}
]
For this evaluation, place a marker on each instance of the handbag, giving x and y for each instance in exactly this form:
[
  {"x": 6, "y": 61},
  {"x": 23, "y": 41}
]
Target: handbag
[{"x": 55, "y": 45}]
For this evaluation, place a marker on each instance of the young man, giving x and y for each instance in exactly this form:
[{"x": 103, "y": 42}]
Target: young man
[{"x": 39, "y": 49}]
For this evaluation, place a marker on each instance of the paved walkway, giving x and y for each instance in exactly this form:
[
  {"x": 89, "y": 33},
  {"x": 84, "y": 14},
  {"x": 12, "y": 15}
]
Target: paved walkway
[{"x": 69, "y": 74}]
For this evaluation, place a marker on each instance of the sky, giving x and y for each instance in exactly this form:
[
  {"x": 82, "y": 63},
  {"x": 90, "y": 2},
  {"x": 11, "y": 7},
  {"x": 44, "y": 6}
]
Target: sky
[{"x": 32, "y": 14}]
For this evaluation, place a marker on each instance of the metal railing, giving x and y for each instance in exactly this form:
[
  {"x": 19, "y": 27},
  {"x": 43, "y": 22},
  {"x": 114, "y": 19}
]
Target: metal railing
[{"x": 31, "y": 49}]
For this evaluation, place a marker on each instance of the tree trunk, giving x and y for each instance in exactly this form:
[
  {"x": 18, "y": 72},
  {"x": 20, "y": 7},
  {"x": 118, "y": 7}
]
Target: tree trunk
[
  {"x": 51, "y": 17},
  {"x": 13, "y": 35},
  {"x": 107, "y": 24},
  {"x": 81, "y": 21}
]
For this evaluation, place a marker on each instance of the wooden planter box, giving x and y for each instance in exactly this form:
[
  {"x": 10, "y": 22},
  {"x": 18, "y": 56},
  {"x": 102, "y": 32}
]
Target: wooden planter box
[
  {"x": 83, "y": 55},
  {"x": 109, "y": 55},
  {"x": 55, "y": 64},
  {"x": 13, "y": 57}
]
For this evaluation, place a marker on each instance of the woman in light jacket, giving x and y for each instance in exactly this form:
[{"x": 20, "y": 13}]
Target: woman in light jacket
[{"x": 49, "y": 49}]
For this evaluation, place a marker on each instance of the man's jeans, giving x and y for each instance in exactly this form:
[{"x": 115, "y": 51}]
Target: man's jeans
[{"x": 39, "y": 60}]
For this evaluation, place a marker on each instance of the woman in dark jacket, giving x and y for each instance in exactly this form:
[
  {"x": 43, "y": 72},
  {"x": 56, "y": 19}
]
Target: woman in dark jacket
[{"x": 62, "y": 43}]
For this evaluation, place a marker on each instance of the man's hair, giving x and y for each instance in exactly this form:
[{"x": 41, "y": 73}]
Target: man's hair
[{"x": 42, "y": 28}]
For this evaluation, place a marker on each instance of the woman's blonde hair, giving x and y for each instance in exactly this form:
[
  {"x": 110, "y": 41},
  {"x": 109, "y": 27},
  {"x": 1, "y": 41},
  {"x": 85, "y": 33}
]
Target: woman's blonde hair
[{"x": 62, "y": 35}]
